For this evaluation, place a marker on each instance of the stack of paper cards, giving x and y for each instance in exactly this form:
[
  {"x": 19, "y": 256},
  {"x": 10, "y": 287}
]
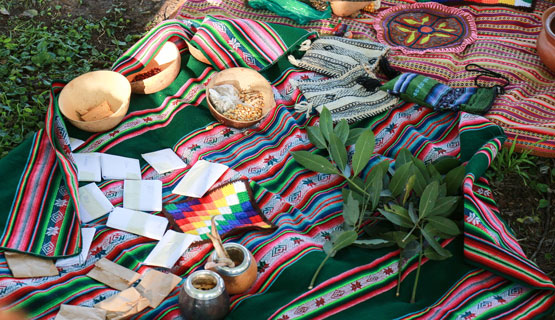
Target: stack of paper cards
[
  {"x": 170, "y": 248},
  {"x": 92, "y": 203},
  {"x": 164, "y": 160},
  {"x": 87, "y": 235},
  {"x": 144, "y": 195},
  {"x": 141, "y": 223},
  {"x": 200, "y": 178},
  {"x": 88, "y": 166},
  {"x": 116, "y": 167}
]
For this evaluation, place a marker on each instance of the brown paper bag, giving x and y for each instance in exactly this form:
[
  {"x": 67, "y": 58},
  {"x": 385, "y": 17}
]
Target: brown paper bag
[
  {"x": 156, "y": 285},
  {"x": 28, "y": 266},
  {"x": 123, "y": 305},
  {"x": 69, "y": 312},
  {"x": 113, "y": 275}
]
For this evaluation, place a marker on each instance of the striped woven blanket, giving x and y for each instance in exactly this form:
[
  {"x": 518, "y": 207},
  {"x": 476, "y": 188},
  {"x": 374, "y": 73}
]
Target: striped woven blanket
[{"x": 488, "y": 277}]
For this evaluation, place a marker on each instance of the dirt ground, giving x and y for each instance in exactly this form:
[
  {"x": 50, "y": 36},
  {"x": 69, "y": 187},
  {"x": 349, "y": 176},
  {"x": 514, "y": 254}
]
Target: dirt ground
[{"x": 518, "y": 202}]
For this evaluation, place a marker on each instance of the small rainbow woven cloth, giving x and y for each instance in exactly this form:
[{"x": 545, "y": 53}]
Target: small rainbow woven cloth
[
  {"x": 233, "y": 205},
  {"x": 425, "y": 27}
]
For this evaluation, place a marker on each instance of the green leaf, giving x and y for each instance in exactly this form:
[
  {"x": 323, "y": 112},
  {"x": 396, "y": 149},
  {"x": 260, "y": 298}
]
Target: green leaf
[
  {"x": 353, "y": 190},
  {"x": 434, "y": 174},
  {"x": 364, "y": 147},
  {"x": 342, "y": 130},
  {"x": 316, "y": 138},
  {"x": 412, "y": 214},
  {"x": 351, "y": 210},
  {"x": 400, "y": 178},
  {"x": 428, "y": 199},
  {"x": 328, "y": 249},
  {"x": 543, "y": 204},
  {"x": 343, "y": 240},
  {"x": 326, "y": 126},
  {"x": 446, "y": 164},
  {"x": 454, "y": 180},
  {"x": 408, "y": 188},
  {"x": 314, "y": 162},
  {"x": 403, "y": 157},
  {"x": 444, "y": 225},
  {"x": 420, "y": 181},
  {"x": 422, "y": 168},
  {"x": 444, "y": 206},
  {"x": 398, "y": 236},
  {"x": 338, "y": 151},
  {"x": 433, "y": 242},
  {"x": 411, "y": 249},
  {"x": 374, "y": 243},
  {"x": 397, "y": 219},
  {"x": 353, "y": 135},
  {"x": 431, "y": 254}
]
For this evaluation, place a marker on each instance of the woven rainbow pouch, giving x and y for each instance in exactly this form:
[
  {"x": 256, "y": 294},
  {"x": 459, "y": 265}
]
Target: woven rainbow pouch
[{"x": 233, "y": 205}]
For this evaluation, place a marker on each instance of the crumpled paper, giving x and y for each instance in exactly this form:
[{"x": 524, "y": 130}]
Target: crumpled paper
[
  {"x": 155, "y": 286},
  {"x": 69, "y": 312},
  {"x": 124, "y": 304},
  {"x": 28, "y": 266},
  {"x": 113, "y": 275}
]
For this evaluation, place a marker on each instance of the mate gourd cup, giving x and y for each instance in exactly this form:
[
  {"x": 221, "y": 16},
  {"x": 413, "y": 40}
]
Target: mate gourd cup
[
  {"x": 90, "y": 90},
  {"x": 241, "y": 78}
]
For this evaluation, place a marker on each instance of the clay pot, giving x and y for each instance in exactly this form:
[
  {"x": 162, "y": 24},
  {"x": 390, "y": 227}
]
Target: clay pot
[
  {"x": 347, "y": 8},
  {"x": 241, "y": 277},
  {"x": 546, "y": 40},
  {"x": 203, "y": 297}
]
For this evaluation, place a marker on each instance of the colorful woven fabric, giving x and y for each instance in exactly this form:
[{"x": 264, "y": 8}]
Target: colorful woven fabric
[
  {"x": 232, "y": 205},
  {"x": 425, "y": 27},
  {"x": 489, "y": 277},
  {"x": 427, "y": 92},
  {"x": 345, "y": 97},
  {"x": 228, "y": 43},
  {"x": 334, "y": 56}
]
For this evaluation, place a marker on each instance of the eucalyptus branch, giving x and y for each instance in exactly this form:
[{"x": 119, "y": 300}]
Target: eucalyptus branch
[
  {"x": 399, "y": 270},
  {"x": 413, "y": 298},
  {"x": 311, "y": 285}
]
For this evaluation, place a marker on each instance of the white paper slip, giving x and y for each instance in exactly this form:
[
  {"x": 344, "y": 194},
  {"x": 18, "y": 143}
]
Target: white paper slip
[
  {"x": 74, "y": 143},
  {"x": 144, "y": 195},
  {"x": 116, "y": 167},
  {"x": 200, "y": 178},
  {"x": 88, "y": 166},
  {"x": 87, "y": 235},
  {"x": 92, "y": 203},
  {"x": 170, "y": 248},
  {"x": 164, "y": 160},
  {"x": 137, "y": 222}
]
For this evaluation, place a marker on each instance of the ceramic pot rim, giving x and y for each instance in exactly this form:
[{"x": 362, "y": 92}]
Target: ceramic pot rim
[{"x": 548, "y": 23}]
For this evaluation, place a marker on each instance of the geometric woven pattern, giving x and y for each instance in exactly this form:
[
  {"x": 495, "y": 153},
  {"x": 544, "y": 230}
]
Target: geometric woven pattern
[
  {"x": 425, "y": 27},
  {"x": 232, "y": 204}
]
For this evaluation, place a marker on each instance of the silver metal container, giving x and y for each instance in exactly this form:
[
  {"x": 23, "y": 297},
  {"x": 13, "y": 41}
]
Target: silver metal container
[{"x": 203, "y": 297}]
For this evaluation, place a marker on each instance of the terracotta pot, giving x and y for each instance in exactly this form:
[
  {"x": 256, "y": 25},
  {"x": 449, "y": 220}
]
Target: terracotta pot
[
  {"x": 241, "y": 277},
  {"x": 203, "y": 296},
  {"x": 347, "y": 8},
  {"x": 546, "y": 40}
]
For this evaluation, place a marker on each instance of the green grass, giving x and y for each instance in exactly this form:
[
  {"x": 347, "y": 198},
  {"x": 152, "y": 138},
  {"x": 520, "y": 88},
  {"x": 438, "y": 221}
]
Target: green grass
[{"x": 39, "y": 43}]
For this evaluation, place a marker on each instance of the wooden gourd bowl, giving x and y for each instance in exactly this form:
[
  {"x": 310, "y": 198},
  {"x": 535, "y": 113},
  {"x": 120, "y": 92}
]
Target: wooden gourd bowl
[
  {"x": 197, "y": 54},
  {"x": 168, "y": 60},
  {"x": 241, "y": 78},
  {"x": 91, "y": 89}
]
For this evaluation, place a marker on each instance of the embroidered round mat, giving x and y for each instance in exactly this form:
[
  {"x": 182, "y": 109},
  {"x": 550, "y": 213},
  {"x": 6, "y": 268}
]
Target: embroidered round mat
[{"x": 425, "y": 27}]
